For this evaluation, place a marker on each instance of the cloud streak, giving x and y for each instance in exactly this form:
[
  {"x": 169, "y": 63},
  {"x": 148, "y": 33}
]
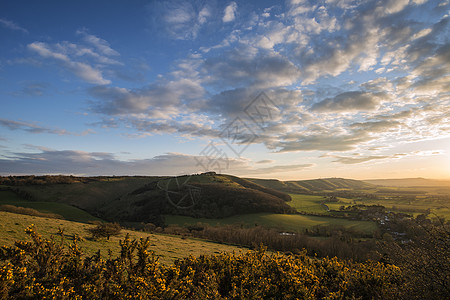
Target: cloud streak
[
  {"x": 37, "y": 129},
  {"x": 11, "y": 25},
  {"x": 85, "y": 61}
]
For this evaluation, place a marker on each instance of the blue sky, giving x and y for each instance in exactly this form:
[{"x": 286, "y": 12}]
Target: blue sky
[{"x": 290, "y": 90}]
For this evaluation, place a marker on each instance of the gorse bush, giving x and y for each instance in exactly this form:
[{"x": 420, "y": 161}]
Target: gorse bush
[{"x": 47, "y": 269}]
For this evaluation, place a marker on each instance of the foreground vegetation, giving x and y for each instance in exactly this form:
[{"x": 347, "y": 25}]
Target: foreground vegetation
[
  {"x": 167, "y": 248},
  {"x": 49, "y": 269},
  {"x": 388, "y": 246},
  {"x": 46, "y": 269}
]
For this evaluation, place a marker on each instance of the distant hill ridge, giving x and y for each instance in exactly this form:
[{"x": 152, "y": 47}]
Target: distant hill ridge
[
  {"x": 313, "y": 185},
  {"x": 409, "y": 182}
]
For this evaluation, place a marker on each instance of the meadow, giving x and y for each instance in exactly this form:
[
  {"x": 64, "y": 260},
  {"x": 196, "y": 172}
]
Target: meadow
[
  {"x": 167, "y": 248},
  {"x": 308, "y": 203},
  {"x": 438, "y": 205},
  {"x": 282, "y": 222}
]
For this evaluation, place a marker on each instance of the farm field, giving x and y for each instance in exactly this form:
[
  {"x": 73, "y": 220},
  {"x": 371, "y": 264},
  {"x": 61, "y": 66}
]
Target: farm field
[
  {"x": 167, "y": 248},
  {"x": 397, "y": 199},
  {"x": 437, "y": 204},
  {"x": 293, "y": 223},
  {"x": 308, "y": 203}
]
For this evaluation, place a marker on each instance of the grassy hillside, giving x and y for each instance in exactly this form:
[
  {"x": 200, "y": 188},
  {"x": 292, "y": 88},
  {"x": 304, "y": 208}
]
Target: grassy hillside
[
  {"x": 207, "y": 195},
  {"x": 331, "y": 184},
  {"x": 314, "y": 185},
  {"x": 146, "y": 199},
  {"x": 68, "y": 212},
  {"x": 167, "y": 248},
  {"x": 86, "y": 195}
]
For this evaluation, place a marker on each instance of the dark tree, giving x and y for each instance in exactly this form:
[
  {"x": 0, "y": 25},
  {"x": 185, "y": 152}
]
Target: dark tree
[{"x": 105, "y": 230}]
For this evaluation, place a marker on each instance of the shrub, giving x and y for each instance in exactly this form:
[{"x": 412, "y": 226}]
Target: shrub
[
  {"x": 105, "y": 230},
  {"x": 46, "y": 269},
  {"x": 28, "y": 211}
]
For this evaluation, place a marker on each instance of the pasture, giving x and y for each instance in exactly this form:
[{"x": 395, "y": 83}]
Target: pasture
[
  {"x": 283, "y": 222},
  {"x": 167, "y": 248}
]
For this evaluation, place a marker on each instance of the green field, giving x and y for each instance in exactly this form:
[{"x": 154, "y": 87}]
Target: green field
[
  {"x": 68, "y": 212},
  {"x": 284, "y": 222},
  {"x": 167, "y": 248},
  {"x": 438, "y": 205},
  {"x": 308, "y": 203},
  {"x": 391, "y": 198}
]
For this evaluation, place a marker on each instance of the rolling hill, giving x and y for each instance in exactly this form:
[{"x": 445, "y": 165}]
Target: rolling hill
[
  {"x": 409, "y": 182},
  {"x": 147, "y": 199},
  {"x": 313, "y": 185}
]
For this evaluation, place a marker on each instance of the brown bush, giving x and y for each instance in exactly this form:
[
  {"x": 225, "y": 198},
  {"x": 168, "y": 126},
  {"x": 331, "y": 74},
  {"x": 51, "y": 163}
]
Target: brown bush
[{"x": 28, "y": 211}]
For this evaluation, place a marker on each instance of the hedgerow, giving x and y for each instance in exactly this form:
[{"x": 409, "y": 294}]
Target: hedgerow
[{"x": 47, "y": 269}]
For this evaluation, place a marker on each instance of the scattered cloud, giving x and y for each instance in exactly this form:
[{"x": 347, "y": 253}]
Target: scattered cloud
[
  {"x": 278, "y": 169},
  {"x": 350, "y": 101},
  {"x": 229, "y": 13},
  {"x": 80, "y": 69},
  {"x": 11, "y": 25},
  {"x": 36, "y": 129},
  {"x": 33, "y": 89},
  {"x": 101, "y": 45},
  {"x": 159, "y": 100},
  {"x": 358, "y": 159},
  {"x": 324, "y": 142},
  {"x": 182, "y": 20},
  {"x": 86, "y": 61},
  {"x": 50, "y": 161},
  {"x": 345, "y": 75},
  {"x": 265, "y": 161}
]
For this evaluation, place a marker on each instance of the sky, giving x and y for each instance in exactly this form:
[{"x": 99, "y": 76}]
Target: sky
[{"x": 271, "y": 89}]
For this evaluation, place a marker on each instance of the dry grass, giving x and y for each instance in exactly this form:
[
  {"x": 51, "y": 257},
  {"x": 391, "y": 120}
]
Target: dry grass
[{"x": 168, "y": 248}]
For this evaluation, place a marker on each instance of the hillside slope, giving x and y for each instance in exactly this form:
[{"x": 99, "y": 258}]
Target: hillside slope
[
  {"x": 147, "y": 199},
  {"x": 207, "y": 195},
  {"x": 167, "y": 248},
  {"x": 313, "y": 185}
]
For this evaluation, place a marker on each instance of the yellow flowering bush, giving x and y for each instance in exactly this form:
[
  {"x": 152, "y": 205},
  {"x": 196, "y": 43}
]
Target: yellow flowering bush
[{"x": 46, "y": 269}]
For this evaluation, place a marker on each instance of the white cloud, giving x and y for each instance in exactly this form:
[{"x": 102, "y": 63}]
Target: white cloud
[
  {"x": 312, "y": 49},
  {"x": 11, "y": 25},
  {"x": 36, "y": 129},
  {"x": 159, "y": 100},
  {"x": 101, "y": 45},
  {"x": 229, "y": 13},
  {"x": 203, "y": 15},
  {"x": 181, "y": 20},
  {"x": 68, "y": 55},
  {"x": 395, "y": 6}
]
